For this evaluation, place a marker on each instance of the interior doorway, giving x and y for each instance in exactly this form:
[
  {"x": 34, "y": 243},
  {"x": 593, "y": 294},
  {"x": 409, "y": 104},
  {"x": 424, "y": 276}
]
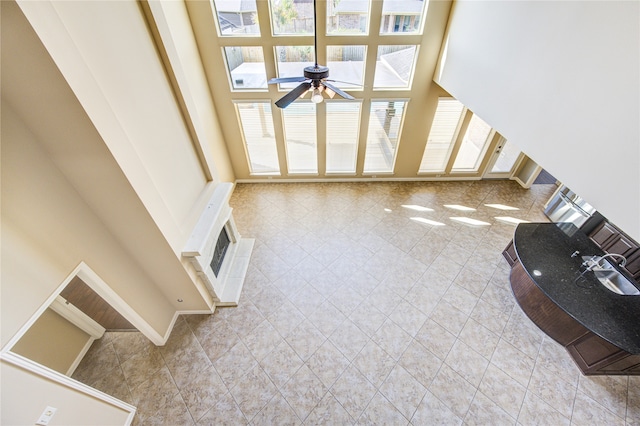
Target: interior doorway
[{"x": 80, "y": 295}]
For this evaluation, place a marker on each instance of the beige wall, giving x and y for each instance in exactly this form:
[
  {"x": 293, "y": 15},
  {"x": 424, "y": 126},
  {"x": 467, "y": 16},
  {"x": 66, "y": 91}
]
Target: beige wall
[
  {"x": 48, "y": 229},
  {"x": 97, "y": 167},
  {"x": 171, "y": 28},
  {"x": 560, "y": 80},
  {"x": 108, "y": 57},
  {"x": 26, "y": 395},
  {"x": 52, "y": 341}
]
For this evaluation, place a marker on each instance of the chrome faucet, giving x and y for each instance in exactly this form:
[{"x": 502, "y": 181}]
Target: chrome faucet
[{"x": 595, "y": 261}]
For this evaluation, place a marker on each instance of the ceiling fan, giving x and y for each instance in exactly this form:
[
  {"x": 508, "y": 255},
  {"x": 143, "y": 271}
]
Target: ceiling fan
[{"x": 314, "y": 79}]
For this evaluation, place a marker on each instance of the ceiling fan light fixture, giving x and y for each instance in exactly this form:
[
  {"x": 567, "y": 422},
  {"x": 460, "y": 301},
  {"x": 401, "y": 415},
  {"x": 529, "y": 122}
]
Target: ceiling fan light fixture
[{"x": 316, "y": 97}]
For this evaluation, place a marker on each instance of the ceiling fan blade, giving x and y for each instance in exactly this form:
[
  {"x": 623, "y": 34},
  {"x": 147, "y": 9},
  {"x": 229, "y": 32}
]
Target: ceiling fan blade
[
  {"x": 294, "y": 94},
  {"x": 338, "y": 91},
  {"x": 329, "y": 92},
  {"x": 286, "y": 80},
  {"x": 346, "y": 82}
]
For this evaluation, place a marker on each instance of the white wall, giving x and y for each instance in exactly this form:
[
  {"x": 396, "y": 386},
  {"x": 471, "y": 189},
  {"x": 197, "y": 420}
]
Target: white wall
[
  {"x": 25, "y": 396},
  {"x": 561, "y": 80}
]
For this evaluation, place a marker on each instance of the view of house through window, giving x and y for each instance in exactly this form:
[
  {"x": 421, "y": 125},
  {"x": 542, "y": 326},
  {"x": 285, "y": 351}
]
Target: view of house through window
[
  {"x": 348, "y": 17},
  {"x": 402, "y": 16},
  {"x": 237, "y": 18}
]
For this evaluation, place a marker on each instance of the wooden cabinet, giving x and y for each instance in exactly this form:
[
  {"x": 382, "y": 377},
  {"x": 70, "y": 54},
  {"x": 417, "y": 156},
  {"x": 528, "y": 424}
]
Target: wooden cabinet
[
  {"x": 542, "y": 311},
  {"x": 612, "y": 240},
  {"x": 633, "y": 265},
  {"x": 604, "y": 235},
  {"x": 509, "y": 254},
  {"x": 593, "y": 354},
  {"x": 621, "y": 245}
]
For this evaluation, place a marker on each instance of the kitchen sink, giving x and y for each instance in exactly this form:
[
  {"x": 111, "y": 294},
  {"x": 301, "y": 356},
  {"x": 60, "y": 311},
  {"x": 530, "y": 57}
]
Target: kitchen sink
[
  {"x": 610, "y": 277},
  {"x": 616, "y": 282}
]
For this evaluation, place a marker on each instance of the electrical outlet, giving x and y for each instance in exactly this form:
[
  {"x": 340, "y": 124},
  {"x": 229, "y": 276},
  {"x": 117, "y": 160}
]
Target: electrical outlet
[{"x": 46, "y": 416}]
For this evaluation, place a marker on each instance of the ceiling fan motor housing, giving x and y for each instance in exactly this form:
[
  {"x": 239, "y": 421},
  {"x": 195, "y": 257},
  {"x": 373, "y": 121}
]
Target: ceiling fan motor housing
[{"x": 316, "y": 73}]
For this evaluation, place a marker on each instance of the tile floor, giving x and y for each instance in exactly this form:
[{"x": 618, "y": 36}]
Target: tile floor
[{"x": 353, "y": 312}]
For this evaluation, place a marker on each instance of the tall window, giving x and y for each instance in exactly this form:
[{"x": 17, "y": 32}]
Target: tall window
[
  {"x": 343, "y": 124},
  {"x": 385, "y": 123},
  {"x": 300, "y": 137},
  {"x": 473, "y": 147},
  {"x": 442, "y": 135},
  {"x": 256, "y": 122}
]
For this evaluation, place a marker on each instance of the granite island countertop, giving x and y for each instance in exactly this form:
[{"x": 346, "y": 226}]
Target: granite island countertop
[{"x": 545, "y": 249}]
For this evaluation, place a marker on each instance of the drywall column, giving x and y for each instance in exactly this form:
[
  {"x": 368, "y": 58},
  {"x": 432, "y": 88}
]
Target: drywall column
[{"x": 562, "y": 81}]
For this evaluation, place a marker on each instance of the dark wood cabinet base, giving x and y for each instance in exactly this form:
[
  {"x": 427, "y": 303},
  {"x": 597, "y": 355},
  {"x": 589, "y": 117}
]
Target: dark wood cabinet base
[{"x": 591, "y": 353}]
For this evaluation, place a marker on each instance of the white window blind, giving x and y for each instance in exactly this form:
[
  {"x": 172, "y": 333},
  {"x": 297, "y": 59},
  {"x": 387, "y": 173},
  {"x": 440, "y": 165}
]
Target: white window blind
[
  {"x": 343, "y": 124},
  {"x": 385, "y": 123},
  {"x": 441, "y": 136},
  {"x": 300, "y": 137},
  {"x": 473, "y": 147},
  {"x": 256, "y": 122}
]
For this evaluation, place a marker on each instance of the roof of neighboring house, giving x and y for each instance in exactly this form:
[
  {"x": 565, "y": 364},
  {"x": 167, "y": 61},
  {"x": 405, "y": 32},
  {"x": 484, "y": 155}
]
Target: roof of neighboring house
[
  {"x": 236, "y": 6},
  {"x": 400, "y": 62},
  {"x": 389, "y": 7}
]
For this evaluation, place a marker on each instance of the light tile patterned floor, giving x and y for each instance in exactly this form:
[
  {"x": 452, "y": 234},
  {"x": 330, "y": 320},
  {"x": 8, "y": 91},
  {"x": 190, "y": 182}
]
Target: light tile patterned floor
[{"x": 355, "y": 313}]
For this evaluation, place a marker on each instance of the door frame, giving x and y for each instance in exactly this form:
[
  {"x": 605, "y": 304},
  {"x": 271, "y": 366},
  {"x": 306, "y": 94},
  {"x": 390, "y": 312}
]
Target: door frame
[{"x": 488, "y": 174}]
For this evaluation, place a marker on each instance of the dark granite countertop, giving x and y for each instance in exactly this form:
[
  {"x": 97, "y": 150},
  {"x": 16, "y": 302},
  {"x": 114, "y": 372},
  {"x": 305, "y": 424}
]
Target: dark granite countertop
[{"x": 545, "y": 249}]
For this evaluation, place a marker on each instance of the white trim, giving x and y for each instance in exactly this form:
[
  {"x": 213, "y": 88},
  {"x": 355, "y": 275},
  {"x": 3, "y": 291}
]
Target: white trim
[
  {"x": 363, "y": 179},
  {"x": 532, "y": 177},
  {"x": 178, "y": 313},
  {"x": 216, "y": 208},
  {"x": 76, "y": 317},
  {"x": 60, "y": 378},
  {"x": 84, "y": 272},
  {"x": 96, "y": 283},
  {"x": 80, "y": 356}
]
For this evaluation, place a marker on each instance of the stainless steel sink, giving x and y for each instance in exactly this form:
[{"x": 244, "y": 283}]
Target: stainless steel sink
[
  {"x": 616, "y": 282},
  {"x": 609, "y": 276}
]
